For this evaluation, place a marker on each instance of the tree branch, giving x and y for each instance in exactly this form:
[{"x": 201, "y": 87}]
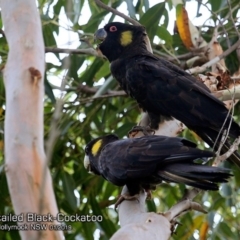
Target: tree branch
[
  {"x": 219, "y": 20},
  {"x": 234, "y": 147},
  {"x": 116, "y": 12},
  {"x": 110, "y": 95},
  {"x": 136, "y": 223},
  {"x": 227, "y": 94},
  {"x": 223, "y": 95},
  {"x": 231, "y": 17},
  {"x": 87, "y": 51},
  {"x": 214, "y": 60}
]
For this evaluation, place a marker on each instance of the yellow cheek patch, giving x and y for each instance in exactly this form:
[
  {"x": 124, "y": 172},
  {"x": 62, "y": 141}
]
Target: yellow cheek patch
[
  {"x": 126, "y": 38},
  {"x": 96, "y": 147}
]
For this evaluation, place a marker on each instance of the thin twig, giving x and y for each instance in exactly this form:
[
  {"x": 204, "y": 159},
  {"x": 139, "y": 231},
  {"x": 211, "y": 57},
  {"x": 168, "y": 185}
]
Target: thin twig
[
  {"x": 171, "y": 54},
  {"x": 225, "y": 134},
  {"x": 91, "y": 99},
  {"x": 93, "y": 90},
  {"x": 220, "y": 22},
  {"x": 227, "y": 154},
  {"x": 116, "y": 12},
  {"x": 223, "y": 138},
  {"x": 231, "y": 16},
  {"x": 183, "y": 56},
  {"x": 86, "y": 89}
]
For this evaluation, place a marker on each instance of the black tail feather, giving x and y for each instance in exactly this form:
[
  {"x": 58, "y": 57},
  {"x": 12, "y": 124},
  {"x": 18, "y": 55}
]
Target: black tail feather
[{"x": 195, "y": 175}]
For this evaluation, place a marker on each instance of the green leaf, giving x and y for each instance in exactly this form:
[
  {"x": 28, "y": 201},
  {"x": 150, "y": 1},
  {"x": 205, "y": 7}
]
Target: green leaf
[
  {"x": 73, "y": 10},
  {"x": 89, "y": 74},
  {"x": 103, "y": 71},
  {"x": 146, "y": 4},
  {"x": 217, "y": 5},
  {"x": 48, "y": 90},
  {"x": 48, "y": 36},
  {"x": 68, "y": 189},
  {"x": 131, "y": 8},
  {"x": 123, "y": 130},
  {"x": 163, "y": 34},
  {"x": 107, "y": 225},
  {"x": 226, "y": 232},
  {"x": 151, "y": 19}
]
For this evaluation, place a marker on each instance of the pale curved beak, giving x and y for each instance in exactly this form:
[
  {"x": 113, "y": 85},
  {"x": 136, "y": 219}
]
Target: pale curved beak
[
  {"x": 100, "y": 34},
  {"x": 86, "y": 163}
]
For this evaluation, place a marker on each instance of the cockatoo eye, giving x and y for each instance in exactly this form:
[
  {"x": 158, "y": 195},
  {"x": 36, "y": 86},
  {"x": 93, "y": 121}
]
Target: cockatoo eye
[{"x": 113, "y": 29}]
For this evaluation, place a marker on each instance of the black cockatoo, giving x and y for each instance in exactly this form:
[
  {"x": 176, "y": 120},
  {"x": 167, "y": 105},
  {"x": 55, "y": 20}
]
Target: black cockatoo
[{"x": 163, "y": 89}]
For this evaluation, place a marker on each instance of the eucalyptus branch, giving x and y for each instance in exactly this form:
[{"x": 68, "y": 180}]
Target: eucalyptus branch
[
  {"x": 236, "y": 78},
  {"x": 225, "y": 133},
  {"x": 232, "y": 149},
  {"x": 227, "y": 94},
  {"x": 184, "y": 56},
  {"x": 181, "y": 208},
  {"x": 87, "y": 51},
  {"x": 223, "y": 95},
  {"x": 116, "y": 12},
  {"x": 93, "y": 90},
  {"x": 87, "y": 89},
  {"x": 110, "y": 95},
  {"x": 136, "y": 223},
  {"x": 214, "y": 60}
]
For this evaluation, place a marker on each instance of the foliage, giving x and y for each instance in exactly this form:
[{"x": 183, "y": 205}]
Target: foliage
[{"x": 83, "y": 118}]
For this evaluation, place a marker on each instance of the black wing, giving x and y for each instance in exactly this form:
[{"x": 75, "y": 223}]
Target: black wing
[
  {"x": 160, "y": 87},
  {"x": 142, "y": 157}
]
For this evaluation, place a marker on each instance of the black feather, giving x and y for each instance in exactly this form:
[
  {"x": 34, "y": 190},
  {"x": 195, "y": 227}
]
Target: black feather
[
  {"x": 147, "y": 161},
  {"x": 161, "y": 88}
]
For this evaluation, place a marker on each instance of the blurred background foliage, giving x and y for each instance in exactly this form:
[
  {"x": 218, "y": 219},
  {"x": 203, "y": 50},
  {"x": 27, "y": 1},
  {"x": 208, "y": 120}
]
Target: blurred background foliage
[{"x": 93, "y": 108}]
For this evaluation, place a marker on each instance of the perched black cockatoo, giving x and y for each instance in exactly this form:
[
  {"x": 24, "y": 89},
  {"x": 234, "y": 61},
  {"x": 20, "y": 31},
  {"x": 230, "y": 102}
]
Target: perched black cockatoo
[
  {"x": 163, "y": 89},
  {"x": 143, "y": 163}
]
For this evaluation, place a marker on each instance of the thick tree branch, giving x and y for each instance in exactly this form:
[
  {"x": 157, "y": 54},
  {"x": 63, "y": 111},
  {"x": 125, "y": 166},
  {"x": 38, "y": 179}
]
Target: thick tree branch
[{"x": 136, "y": 223}]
